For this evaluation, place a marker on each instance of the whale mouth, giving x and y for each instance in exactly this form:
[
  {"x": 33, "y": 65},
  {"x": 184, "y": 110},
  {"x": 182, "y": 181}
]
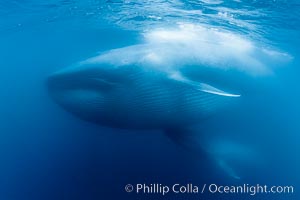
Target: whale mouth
[{"x": 70, "y": 80}]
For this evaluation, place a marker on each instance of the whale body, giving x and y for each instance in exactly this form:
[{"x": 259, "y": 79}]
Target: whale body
[
  {"x": 132, "y": 97},
  {"x": 175, "y": 77},
  {"x": 172, "y": 81}
]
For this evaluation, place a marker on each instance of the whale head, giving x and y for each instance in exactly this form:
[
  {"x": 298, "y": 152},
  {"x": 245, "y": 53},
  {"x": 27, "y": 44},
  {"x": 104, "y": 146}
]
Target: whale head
[{"x": 84, "y": 89}]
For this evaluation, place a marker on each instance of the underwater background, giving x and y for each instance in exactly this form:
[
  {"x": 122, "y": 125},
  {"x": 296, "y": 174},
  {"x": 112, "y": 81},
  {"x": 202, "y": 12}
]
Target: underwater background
[{"x": 47, "y": 153}]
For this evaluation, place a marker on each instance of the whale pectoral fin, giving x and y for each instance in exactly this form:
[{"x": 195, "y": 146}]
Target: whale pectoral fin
[
  {"x": 200, "y": 86},
  {"x": 210, "y": 89},
  {"x": 191, "y": 142}
]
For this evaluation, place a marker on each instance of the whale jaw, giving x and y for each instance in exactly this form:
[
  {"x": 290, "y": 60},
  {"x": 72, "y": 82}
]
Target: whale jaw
[{"x": 80, "y": 92}]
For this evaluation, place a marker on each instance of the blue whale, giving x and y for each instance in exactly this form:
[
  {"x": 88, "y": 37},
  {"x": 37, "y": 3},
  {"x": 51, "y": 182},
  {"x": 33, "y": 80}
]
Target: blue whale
[
  {"x": 166, "y": 83},
  {"x": 127, "y": 95}
]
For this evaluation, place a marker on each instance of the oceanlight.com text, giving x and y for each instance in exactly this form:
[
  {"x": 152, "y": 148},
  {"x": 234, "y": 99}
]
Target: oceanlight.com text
[{"x": 189, "y": 188}]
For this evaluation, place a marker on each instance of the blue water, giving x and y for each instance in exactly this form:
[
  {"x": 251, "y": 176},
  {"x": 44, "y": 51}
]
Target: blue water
[{"x": 46, "y": 153}]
